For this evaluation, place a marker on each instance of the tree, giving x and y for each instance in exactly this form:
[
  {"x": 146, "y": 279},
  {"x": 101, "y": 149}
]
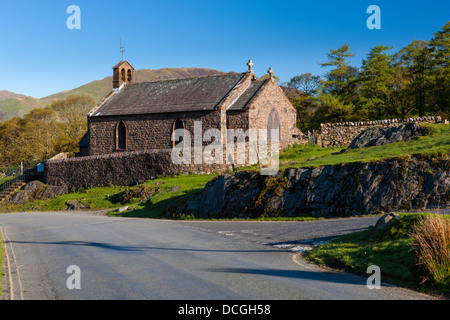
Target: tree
[
  {"x": 412, "y": 79},
  {"x": 306, "y": 106},
  {"x": 332, "y": 109},
  {"x": 44, "y": 132},
  {"x": 72, "y": 113},
  {"x": 40, "y": 131},
  {"x": 376, "y": 81},
  {"x": 338, "y": 81},
  {"x": 440, "y": 67},
  {"x": 305, "y": 83}
]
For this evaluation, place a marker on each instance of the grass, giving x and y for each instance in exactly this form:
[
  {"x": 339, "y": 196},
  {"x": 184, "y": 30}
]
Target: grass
[
  {"x": 167, "y": 190},
  {"x": 390, "y": 249},
  {"x": 5, "y": 179},
  {"x": 437, "y": 143},
  {"x": 171, "y": 189},
  {"x": 432, "y": 247}
]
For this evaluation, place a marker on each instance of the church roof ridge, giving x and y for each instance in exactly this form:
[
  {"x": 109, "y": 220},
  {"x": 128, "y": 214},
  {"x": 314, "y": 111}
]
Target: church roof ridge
[{"x": 190, "y": 78}]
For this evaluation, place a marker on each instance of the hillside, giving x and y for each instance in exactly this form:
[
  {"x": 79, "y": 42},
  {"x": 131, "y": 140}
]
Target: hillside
[
  {"x": 6, "y": 95},
  {"x": 12, "y": 104}
]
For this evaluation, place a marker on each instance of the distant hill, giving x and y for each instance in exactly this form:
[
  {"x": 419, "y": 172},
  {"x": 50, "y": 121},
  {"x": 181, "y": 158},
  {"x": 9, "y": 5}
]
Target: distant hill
[
  {"x": 12, "y": 104},
  {"x": 6, "y": 95}
]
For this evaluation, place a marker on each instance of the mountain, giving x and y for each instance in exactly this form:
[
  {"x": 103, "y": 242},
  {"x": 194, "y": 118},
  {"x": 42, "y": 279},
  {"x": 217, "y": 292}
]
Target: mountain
[
  {"x": 12, "y": 104},
  {"x": 15, "y": 105},
  {"x": 6, "y": 95}
]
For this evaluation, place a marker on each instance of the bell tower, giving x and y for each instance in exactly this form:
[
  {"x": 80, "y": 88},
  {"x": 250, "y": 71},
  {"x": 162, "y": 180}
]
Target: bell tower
[{"x": 123, "y": 72}]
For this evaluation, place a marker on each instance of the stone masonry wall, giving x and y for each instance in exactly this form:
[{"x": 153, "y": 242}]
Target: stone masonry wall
[
  {"x": 342, "y": 134},
  {"x": 126, "y": 168},
  {"x": 120, "y": 169},
  {"x": 144, "y": 132}
]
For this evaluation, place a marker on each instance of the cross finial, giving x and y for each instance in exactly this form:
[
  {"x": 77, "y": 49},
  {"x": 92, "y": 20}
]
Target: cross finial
[
  {"x": 250, "y": 66},
  {"x": 270, "y": 72}
]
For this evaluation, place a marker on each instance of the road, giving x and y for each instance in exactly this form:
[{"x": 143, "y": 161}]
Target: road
[{"x": 127, "y": 258}]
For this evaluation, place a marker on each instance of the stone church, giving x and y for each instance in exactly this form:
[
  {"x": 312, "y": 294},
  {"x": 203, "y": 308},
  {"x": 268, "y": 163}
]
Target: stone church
[{"x": 144, "y": 116}]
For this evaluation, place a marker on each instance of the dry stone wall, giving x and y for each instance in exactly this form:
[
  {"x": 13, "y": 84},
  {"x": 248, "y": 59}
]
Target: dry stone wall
[
  {"x": 342, "y": 134},
  {"x": 120, "y": 169}
]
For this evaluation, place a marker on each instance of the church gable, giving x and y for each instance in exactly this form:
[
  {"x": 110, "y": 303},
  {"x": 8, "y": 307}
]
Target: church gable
[{"x": 244, "y": 99}]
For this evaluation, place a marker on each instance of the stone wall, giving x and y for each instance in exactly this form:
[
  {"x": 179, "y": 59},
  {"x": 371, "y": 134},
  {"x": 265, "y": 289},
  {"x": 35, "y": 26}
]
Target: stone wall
[
  {"x": 342, "y": 134},
  {"x": 120, "y": 169}
]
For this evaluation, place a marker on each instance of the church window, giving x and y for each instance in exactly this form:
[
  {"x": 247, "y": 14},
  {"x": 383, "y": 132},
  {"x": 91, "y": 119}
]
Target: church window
[
  {"x": 273, "y": 123},
  {"x": 121, "y": 136},
  {"x": 178, "y": 124}
]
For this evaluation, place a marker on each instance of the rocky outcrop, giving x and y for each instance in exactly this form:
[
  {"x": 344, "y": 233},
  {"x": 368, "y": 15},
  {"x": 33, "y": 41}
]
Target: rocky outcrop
[
  {"x": 382, "y": 136},
  {"x": 329, "y": 191},
  {"x": 342, "y": 134},
  {"x": 35, "y": 190}
]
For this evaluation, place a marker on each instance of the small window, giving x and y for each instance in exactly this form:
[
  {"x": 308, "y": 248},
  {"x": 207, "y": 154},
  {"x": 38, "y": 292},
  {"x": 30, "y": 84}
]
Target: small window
[
  {"x": 129, "y": 76},
  {"x": 122, "y": 75},
  {"x": 179, "y": 140},
  {"x": 273, "y": 123},
  {"x": 121, "y": 136}
]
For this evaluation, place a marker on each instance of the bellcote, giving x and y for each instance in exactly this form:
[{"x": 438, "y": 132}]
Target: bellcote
[{"x": 123, "y": 72}]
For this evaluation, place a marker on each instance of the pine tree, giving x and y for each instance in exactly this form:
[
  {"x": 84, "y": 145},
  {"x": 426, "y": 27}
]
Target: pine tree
[
  {"x": 376, "y": 81},
  {"x": 440, "y": 68}
]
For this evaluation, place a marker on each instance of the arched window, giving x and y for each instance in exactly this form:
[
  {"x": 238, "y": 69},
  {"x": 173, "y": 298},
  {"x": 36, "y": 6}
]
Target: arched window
[
  {"x": 129, "y": 76},
  {"x": 273, "y": 123},
  {"x": 121, "y": 136},
  {"x": 122, "y": 75},
  {"x": 179, "y": 139}
]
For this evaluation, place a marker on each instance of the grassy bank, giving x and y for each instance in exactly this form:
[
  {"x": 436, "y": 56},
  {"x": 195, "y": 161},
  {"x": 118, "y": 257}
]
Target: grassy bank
[
  {"x": 394, "y": 250},
  {"x": 436, "y": 143},
  {"x": 150, "y": 203}
]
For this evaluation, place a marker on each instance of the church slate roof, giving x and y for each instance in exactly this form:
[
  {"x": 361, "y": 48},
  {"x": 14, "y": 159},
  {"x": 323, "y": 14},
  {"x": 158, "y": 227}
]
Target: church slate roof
[
  {"x": 247, "y": 96},
  {"x": 178, "y": 95}
]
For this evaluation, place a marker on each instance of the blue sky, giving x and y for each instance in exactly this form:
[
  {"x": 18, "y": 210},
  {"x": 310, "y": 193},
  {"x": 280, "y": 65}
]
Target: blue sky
[{"x": 41, "y": 56}]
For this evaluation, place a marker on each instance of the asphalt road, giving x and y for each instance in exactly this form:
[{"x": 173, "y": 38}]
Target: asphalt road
[{"x": 122, "y": 258}]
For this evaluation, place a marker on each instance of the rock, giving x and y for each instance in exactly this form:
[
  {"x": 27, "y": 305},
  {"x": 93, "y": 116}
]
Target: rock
[
  {"x": 36, "y": 190},
  {"x": 122, "y": 209},
  {"x": 385, "y": 221},
  {"x": 397, "y": 184},
  {"x": 73, "y": 205},
  {"x": 382, "y": 136},
  {"x": 33, "y": 186},
  {"x": 135, "y": 194}
]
